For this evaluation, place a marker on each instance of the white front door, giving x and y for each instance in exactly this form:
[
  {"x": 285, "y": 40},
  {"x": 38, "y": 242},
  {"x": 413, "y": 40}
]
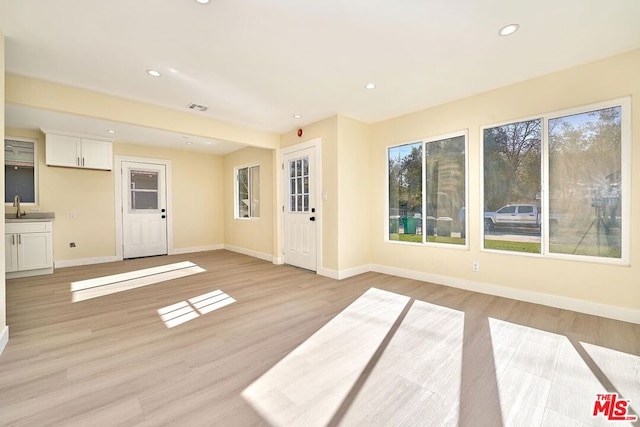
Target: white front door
[
  {"x": 300, "y": 216},
  {"x": 144, "y": 209}
]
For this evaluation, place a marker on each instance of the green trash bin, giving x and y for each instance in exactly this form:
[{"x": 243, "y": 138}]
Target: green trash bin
[{"x": 409, "y": 225}]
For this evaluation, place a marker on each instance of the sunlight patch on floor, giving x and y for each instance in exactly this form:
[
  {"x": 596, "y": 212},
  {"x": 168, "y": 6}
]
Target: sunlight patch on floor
[
  {"x": 101, "y": 286},
  {"x": 179, "y": 313},
  {"x": 369, "y": 365},
  {"x": 550, "y": 379}
]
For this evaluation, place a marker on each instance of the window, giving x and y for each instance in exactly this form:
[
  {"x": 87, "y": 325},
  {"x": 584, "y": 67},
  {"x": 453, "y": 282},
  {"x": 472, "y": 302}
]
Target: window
[
  {"x": 20, "y": 170},
  {"x": 145, "y": 193},
  {"x": 427, "y": 191},
  {"x": 405, "y": 192},
  {"x": 299, "y": 185},
  {"x": 445, "y": 220},
  {"x": 512, "y": 156},
  {"x": 585, "y": 183},
  {"x": 569, "y": 185},
  {"x": 248, "y": 192}
]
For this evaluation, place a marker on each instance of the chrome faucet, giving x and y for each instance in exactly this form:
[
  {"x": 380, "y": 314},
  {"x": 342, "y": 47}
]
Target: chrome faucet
[{"x": 16, "y": 204}]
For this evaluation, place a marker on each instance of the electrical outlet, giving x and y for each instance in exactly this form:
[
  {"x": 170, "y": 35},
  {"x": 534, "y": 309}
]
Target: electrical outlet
[
  {"x": 475, "y": 266},
  {"x": 72, "y": 244},
  {"x": 73, "y": 214}
]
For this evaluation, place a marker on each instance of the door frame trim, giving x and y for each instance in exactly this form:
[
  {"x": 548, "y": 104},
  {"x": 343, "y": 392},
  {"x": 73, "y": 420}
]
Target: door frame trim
[
  {"x": 118, "y": 199},
  {"x": 316, "y": 144}
]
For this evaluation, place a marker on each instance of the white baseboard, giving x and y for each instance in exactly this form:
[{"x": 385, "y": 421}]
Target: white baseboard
[
  {"x": 354, "y": 271},
  {"x": 196, "y": 249},
  {"x": 4, "y": 338},
  {"x": 85, "y": 261},
  {"x": 252, "y": 253},
  {"x": 343, "y": 274},
  {"x": 611, "y": 312},
  {"x": 278, "y": 260},
  {"x": 327, "y": 272}
]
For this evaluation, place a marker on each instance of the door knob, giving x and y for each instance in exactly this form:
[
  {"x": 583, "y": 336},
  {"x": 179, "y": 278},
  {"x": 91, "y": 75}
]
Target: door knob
[
  {"x": 313, "y": 218},
  {"x": 164, "y": 216}
]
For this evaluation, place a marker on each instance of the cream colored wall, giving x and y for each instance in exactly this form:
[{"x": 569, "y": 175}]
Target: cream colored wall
[
  {"x": 611, "y": 285},
  {"x": 53, "y": 96},
  {"x": 354, "y": 193},
  {"x": 255, "y": 235},
  {"x": 198, "y": 189},
  {"x": 327, "y": 131},
  {"x": 88, "y": 193}
]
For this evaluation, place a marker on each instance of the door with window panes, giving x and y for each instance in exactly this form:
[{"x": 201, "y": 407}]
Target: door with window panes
[
  {"x": 300, "y": 216},
  {"x": 144, "y": 205}
]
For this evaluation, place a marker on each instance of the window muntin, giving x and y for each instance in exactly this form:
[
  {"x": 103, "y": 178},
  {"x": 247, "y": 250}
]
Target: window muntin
[
  {"x": 585, "y": 183},
  {"x": 20, "y": 170},
  {"x": 405, "y": 192},
  {"x": 248, "y": 192},
  {"x": 583, "y": 206}
]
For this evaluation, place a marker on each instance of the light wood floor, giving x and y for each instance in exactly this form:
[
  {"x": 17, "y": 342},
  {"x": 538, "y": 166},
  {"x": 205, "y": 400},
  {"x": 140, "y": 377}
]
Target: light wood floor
[{"x": 295, "y": 344}]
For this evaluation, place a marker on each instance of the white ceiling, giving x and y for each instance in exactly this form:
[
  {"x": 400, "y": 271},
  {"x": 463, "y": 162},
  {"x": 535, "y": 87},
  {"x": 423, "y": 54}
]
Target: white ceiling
[{"x": 259, "y": 62}]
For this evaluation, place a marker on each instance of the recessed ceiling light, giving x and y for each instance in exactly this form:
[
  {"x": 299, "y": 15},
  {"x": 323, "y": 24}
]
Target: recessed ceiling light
[
  {"x": 188, "y": 142},
  {"x": 507, "y": 30},
  {"x": 370, "y": 86},
  {"x": 202, "y": 1},
  {"x": 153, "y": 73},
  {"x": 111, "y": 131},
  {"x": 297, "y": 116}
]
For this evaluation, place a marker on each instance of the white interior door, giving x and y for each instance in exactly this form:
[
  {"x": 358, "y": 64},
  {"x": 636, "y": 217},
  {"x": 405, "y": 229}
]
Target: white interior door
[
  {"x": 300, "y": 215},
  {"x": 144, "y": 209}
]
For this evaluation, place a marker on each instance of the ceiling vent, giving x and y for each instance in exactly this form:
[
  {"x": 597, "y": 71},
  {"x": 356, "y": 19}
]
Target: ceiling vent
[{"x": 197, "y": 107}]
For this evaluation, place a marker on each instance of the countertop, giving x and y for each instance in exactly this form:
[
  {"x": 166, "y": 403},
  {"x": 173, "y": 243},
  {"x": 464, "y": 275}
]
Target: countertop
[{"x": 30, "y": 217}]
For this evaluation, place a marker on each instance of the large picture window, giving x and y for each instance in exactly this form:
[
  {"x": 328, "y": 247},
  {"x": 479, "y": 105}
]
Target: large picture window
[
  {"x": 564, "y": 191},
  {"x": 445, "y": 194},
  {"x": 512, "y": 184},
  {"x": 427, "y": 191},
  {"x": 405, "y": 192},
  {"x": 585, "y": 183}
]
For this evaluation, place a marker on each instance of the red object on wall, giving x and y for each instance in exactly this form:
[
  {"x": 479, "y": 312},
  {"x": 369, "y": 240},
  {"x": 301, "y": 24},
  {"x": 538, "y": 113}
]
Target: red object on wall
[{"x": 299, "y": 133}]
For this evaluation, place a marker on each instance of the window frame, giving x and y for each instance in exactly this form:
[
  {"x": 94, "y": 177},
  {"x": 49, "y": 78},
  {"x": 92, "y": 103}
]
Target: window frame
[
  {"x": 236, "y": 195},
  {"x": 626, "y": 164},
  {"x": 34, "y": 141},
  {"x": 424, "y": 141}
]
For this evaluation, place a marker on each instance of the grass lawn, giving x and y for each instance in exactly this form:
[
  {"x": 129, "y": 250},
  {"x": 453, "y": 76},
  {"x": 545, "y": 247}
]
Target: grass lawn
[{"x": 505, "y": 245}]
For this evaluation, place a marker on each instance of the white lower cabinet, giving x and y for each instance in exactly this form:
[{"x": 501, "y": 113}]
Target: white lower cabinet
[{"x": 28, "y": 249}]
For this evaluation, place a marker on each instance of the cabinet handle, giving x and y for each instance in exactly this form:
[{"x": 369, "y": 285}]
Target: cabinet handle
[
  {"x": 13, "y": 239},
  {"x": 19, "y": 239},
  {"x": 78, "y": 161},
  {"x": 83, "y": 161}
]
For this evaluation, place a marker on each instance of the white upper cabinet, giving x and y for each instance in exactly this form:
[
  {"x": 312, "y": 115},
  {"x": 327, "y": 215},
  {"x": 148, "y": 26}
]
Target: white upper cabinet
[
  {"x": 97, "y": 154},
  {"x": 78, "y": 152}
]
